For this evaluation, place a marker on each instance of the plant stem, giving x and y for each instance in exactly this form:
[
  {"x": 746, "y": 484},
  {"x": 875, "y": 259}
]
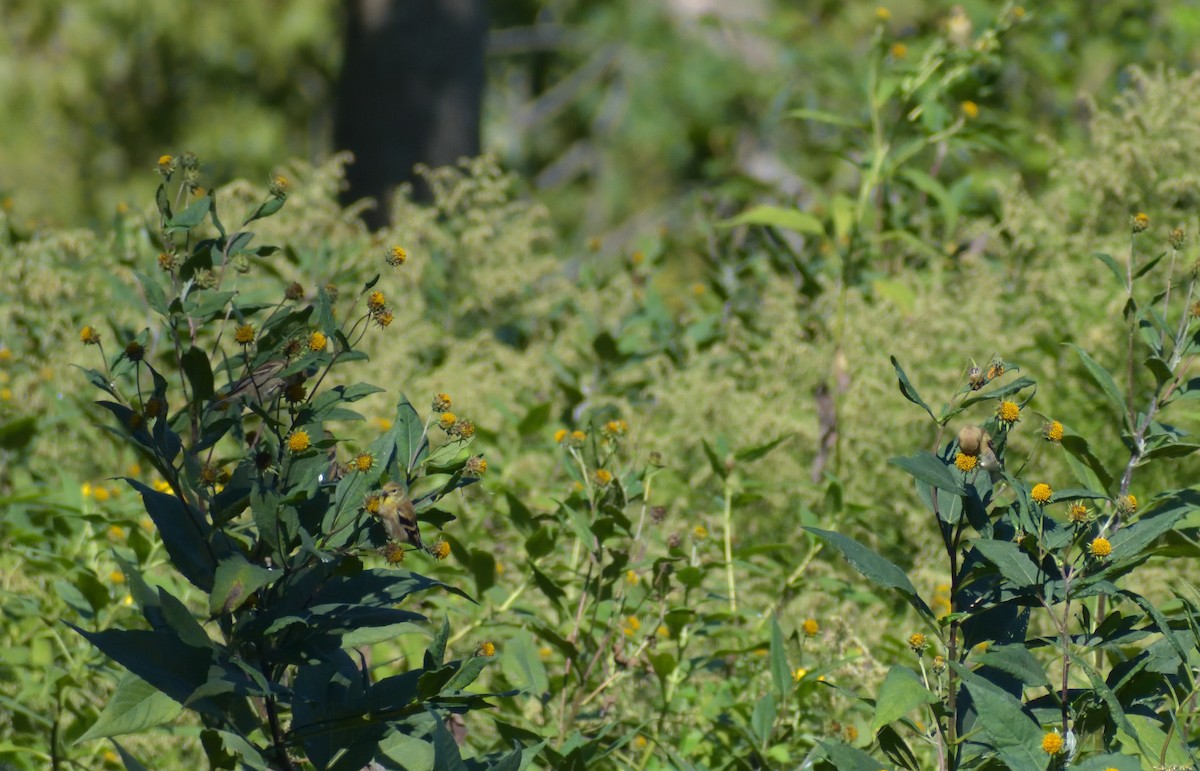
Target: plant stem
[{"x": 728, "y": 524}]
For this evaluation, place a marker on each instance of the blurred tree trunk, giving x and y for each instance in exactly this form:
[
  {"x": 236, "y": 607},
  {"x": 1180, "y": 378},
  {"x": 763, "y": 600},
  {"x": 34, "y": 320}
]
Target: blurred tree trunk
[{"x": 411, "y": 91}]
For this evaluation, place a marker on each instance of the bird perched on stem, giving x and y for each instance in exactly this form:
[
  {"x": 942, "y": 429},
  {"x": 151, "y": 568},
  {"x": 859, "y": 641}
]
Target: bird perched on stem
[
  {"x": 973, "y": 440},
  {"x": 398, "y": 516}
]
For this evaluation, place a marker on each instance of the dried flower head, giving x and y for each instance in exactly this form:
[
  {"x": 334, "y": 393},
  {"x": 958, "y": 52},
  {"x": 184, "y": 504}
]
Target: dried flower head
[
  {"x": 135, "y": 351},
  {"x": 1078, "y": 513},
  {"x": 440, "y": 550},
  {"x": 1052, "y": 431},
  {"x": 166, "y": 165},
  {"x": 294, "y": 291},
  {"x": 1139, "y": 223},
  {"x": 476, "y": 466},
  {"x": 442, "y": 403},
  {"x": 376, "y": 302},
  {"x": 89, "y": 336},
  {"x": 1127, "y": 505},
  {"x": 397, "y": 256}
]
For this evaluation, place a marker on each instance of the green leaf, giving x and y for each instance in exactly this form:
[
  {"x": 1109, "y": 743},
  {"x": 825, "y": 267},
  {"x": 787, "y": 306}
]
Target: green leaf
[
  {"x": 134, "y": 706},
  {"x": 1115, "y": 710},
  {"x": 1013, "y": 563},
  {"x": 235, "y": 580},
  {"x": 762, "y": 719},
  {"x": 266, "y": 209},
  {"x": 907, "y": 388},
  {"x": 191, "y": 216},
  {"x": 847, "y": 758},
  {"x": 900, "y": 293},
  {"x": 1117, "y": 271},
  {"x": 874, "y": 567},
  {"x": 1171, "y": 450},
  {"x": 929, "y": 468},
  {"x": 1017, "y": 661},
  {"x": 754, "y": 453},
  {"x": 781, "y": 671},
  {"x": 129, "y": 761},
  {"x": 1003, "y": 719},
  {"x": 778, "y": 217},
  {"x": 185, "y": 534},
  {"x": 821, "y": 116},
  {"x": 902, "y": 692},
  {"x": 412, "y": 445},
  {"x": 199, "y": 374},
  {"x": 936, "y": 190},
  {"x": 162, "y": 660},
  {"x": 1102, "y": 378}
]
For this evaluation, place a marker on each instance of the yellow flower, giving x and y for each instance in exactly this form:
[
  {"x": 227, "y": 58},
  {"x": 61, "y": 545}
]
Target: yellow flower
[
  {"x": 560, "y": 435},
  {"x": 799, "y": 674},
  {"x": 700, "y": 532},
  {"x": 1052, "y": 743},
  {"x": 117, "y": 577},
  {"x": 970, "y": 109},
  {"x": 1140, "y": 222},
  {"x": 384, "y": 318},
  {"x": 640, "y": 742},
  {"x": 1041, "y": 492},
  {"x": 116, "y": 533},
  {"x": 882, "y": 14},
  {"x": 442, "y": 402},
  {"x": 363, "y": 462},
  {"x": 5, "y": 353},
  {"x": 578, "y": 438},
  {"x": 101, "y": 494},
  {"x": 1053, "y": 431},
  {"x": 243, "y": 334},
  {"x": 899, "y": 50},
  {"x": 441, "y": 550},
  {"x": 372, "y": 503},
  {"x": 464, "y": 428},
  {"x": 89, "y": 336},
  {"x": 166, "y": 164},
  {"x": 486, "y": 648},
  {"x": 632, "y": 625},
  {"x": 1078, "y": 513},
  {"x": 631, "y": 578},
  {"x": 965, "y": 462},
  {"x": 383, "y": 424},
  {"x": 917, "y": 642},
  {"x": 1008, "y": 412},
  {"x": 939, "y": 664},
  {"x": 1100, "y": 547},
  {"x": 397, "y": 256},
  {"x": 1127, "y": 505},
  {"x": 603, "y": 477},
  {"x": 317, "y": 342},
  {"x": 810, "y": 627},
  {"x": 616, "y": 428},
  {"x": 447, "y": 421},
  {"x": 6, "y": 394},
  {"x": 851, "y": 734},
  {"x": 376, "y": 302},
  {"x": 162, "y": 486},
  {"x": 298, "y": 442}
]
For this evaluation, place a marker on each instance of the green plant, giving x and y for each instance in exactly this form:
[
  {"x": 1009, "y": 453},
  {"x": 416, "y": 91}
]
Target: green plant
[
  {"x": 266, "y": 523},
  {"x": 1046, "y": 656}
]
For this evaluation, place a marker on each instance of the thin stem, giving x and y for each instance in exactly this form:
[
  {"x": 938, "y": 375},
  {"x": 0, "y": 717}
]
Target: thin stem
[{"x": 728, "y": 525}]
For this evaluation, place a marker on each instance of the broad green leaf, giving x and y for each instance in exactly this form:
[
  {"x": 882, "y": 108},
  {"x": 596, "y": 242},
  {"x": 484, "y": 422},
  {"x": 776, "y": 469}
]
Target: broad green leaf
[
  {"x": 847, "y": 758},
  {"x": 199, "y": 374},
  {"x": 135, "y": 706},
  {"x": 1116, "y": 712},
  {"x": 235, "y": 580},
  {"x": 1004, "y": 720},
  {"x": 161, "y": 659},
  {"x": 935, "y": 189},
  {"x": 877, "y": 569},
  {"x": 1017, "y": 661},
  {"x": 901, "y": 692},
  {"x": 1013, "y": 563},
  {"x": 191, "y": 216},
  {"x": 907, "y": 388},
  {"x": 1102, "y": 378},
  {"x": 185, "y": 534},
  {"x": 266, "y": 209},
  {"x": 779, "y": 217},
  {"x": 411, "y": 442},
  {"x": 762, "y": 719},
  {"x": 929, "y": 468}
]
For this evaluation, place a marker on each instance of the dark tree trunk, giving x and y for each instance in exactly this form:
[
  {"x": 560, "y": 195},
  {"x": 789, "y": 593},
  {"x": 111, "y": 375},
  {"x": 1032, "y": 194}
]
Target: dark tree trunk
[{"x": 411, "y": 91}]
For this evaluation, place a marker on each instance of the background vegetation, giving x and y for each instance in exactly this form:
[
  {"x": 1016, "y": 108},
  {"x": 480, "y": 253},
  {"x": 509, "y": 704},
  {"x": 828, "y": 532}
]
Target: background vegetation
[{"x": 941, "y": 178}]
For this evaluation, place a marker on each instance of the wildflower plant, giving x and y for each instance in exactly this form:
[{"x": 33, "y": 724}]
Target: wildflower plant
[
  {"x": 295, "y": 546},
  {"x": 1051, "y": 656}
]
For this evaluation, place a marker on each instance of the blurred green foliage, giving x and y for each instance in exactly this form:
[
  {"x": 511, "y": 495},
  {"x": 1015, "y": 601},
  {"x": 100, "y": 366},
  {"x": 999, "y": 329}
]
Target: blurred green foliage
[{"x": 617, "y": 282}]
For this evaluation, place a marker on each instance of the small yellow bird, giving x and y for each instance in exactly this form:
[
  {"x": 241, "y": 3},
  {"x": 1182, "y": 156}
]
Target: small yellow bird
[
  {"x": 973, "y": 440},
  {"x": 398, "y": 516}
]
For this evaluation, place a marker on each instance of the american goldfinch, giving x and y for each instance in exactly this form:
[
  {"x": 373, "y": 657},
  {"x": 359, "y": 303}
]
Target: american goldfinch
[
  {"x": 973, "y": 440},
  {"x": 398, "y": 516}
]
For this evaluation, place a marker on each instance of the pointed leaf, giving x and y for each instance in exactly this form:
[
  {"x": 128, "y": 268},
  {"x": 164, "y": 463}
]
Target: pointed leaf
[
  {"x": 1013, "y": 563},
  {"x": 778, "y": 217},
  {"x": 902, "y": 692},
  {"x": 929, "y": 468},
  {"x": 907, "y": 388},
  {"x": 1103, "y": 379},
  {"x": 874, "y": 567}
]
